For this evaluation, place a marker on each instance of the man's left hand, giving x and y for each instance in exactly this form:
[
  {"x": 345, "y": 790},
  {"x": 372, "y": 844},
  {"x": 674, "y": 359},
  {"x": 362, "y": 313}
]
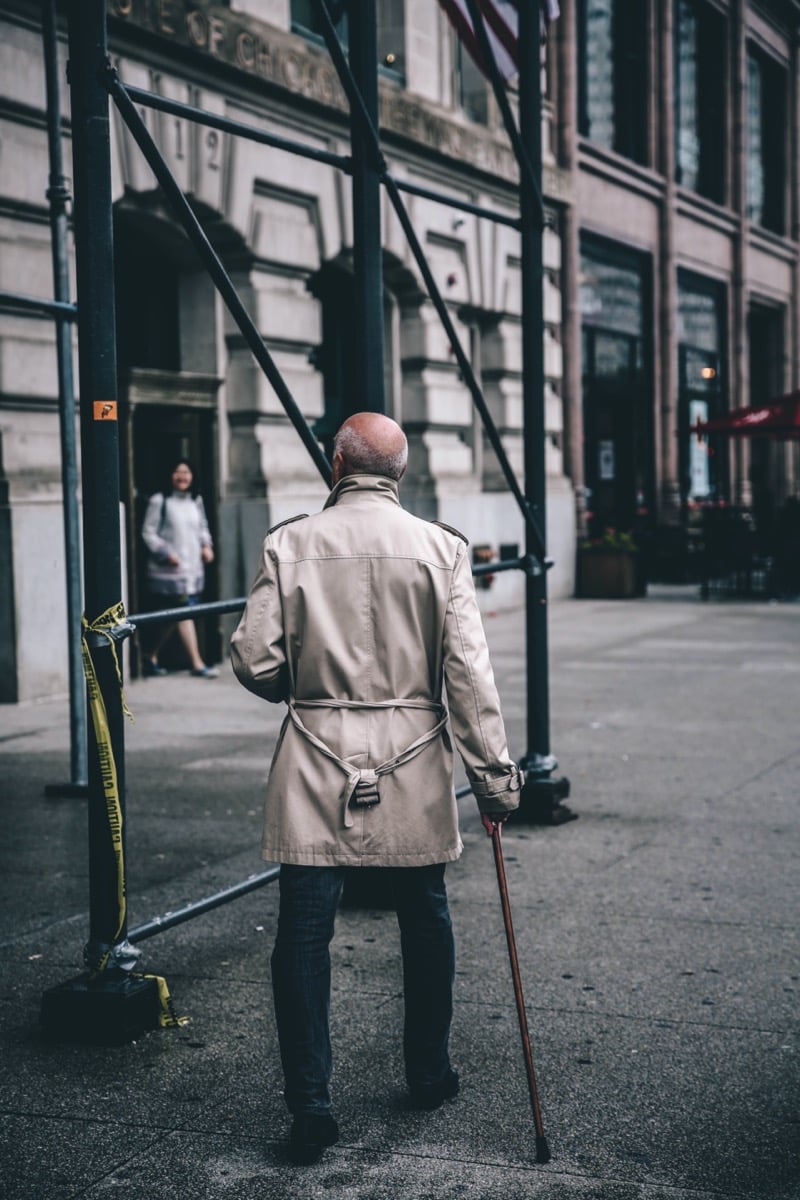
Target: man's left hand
[{"x": 490, "y": 820}]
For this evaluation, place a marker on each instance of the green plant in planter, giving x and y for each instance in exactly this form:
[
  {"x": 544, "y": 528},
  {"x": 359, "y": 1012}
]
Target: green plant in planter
[
  {"x": 611, "y": 539},
  {"x": 608, "y": 566}
]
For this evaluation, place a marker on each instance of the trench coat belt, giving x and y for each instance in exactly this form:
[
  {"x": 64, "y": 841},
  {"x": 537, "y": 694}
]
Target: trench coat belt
[{"x": 367, "y": 775}]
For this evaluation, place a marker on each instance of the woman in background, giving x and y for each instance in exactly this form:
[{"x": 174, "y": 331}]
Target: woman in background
[{"x": 176, "y": 533}]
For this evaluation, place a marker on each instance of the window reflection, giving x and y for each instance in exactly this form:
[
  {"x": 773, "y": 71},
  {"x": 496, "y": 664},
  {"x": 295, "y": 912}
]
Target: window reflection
[
  {"x": 613, "y": 75},
  {"x": 700, "y": 99},
  {"x": 766, "y": 132}
]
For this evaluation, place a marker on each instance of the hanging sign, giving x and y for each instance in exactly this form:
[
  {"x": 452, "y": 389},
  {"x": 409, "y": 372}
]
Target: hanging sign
[{"x": 605, "y": 460}]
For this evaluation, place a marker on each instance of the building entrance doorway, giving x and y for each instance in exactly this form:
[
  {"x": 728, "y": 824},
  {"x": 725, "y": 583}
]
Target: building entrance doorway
[
  {"x": 611, "y": 467},
  {"x": 617, "y": 454},
  {"x": 168, "y": 394},
  {"x": 619, "y": 468},
  {"x": 160, "y": 435}
]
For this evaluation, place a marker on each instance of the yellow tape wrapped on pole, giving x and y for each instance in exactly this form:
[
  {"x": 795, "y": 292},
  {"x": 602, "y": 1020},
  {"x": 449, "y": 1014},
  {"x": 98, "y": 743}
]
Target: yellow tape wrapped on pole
[{"x": 104, "y": 625}]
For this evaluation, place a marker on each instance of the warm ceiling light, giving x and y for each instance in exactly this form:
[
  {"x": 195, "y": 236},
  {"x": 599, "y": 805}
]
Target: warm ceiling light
[
  {"x": 390, "y": 59},
  {"x": 708, "y": 373}
]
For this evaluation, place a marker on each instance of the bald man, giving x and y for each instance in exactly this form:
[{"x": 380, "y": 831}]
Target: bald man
[{"x": 363, "y": 620}]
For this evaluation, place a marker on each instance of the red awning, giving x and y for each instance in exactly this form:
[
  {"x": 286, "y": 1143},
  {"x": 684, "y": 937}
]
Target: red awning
[{"x": 778, "y": 419}]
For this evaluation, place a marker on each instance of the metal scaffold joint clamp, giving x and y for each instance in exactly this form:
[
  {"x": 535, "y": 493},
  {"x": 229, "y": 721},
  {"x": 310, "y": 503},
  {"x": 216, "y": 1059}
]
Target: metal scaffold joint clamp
[
  {"x": 100, "y": 956},
  {"x": 110, "y": 635},
  {"x": 108, "y": 629}
]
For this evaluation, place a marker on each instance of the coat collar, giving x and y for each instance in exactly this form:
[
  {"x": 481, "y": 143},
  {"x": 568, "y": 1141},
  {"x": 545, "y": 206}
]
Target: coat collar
[{"x": 355, "y": 486}]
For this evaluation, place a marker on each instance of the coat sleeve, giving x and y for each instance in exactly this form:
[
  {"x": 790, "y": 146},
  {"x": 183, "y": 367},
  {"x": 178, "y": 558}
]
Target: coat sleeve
[
  {"x": 474, "y": 704},
  {"x": 258, "y": 653},
  {"x": 204, "y": 531}
]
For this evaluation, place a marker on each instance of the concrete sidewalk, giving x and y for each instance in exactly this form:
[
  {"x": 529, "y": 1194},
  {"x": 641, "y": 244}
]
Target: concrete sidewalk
[{"x": 657, "y": 938}]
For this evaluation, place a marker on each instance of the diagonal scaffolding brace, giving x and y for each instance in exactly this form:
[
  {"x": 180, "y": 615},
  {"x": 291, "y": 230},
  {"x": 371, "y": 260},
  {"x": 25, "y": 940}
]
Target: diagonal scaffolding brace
[{"x": 208, "y": 254}]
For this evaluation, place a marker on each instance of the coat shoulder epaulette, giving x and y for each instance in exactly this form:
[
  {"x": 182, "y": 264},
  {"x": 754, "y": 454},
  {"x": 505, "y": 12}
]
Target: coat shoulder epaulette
[
  {"x": 450, "y": 529},
  {"x": 288, "y": 521}
]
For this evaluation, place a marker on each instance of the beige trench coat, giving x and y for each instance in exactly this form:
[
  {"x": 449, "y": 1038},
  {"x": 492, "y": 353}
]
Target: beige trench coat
[{"x": 357, "y": 618}]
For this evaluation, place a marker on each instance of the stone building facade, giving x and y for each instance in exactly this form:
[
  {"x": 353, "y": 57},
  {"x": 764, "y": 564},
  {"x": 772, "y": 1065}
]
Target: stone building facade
[
  {"x": 282, "y": 225},
  {"x": 670, "y": 170}
]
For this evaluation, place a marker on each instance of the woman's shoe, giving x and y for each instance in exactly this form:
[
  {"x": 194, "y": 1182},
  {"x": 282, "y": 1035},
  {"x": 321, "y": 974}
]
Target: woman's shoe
[
  {"x": 205, "y": 672},
  {"x": 150, "y": 668}
]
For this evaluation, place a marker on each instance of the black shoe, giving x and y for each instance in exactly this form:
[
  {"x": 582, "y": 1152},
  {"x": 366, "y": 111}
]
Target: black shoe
[
  {"x": 309, "y": 1136},
  {"x": 428, "y": 1096}
]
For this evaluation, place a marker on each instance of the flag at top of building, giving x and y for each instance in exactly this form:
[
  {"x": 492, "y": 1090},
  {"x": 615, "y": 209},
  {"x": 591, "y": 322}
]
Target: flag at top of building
[{"x": 501, "y": 18}]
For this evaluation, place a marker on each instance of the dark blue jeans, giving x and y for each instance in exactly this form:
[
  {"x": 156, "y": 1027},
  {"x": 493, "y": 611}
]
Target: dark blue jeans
[{"x": 301, "y": 976}]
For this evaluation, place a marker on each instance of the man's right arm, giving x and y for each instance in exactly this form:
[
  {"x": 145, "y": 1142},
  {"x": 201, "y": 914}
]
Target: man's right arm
[{"x": 258, "y": 653}]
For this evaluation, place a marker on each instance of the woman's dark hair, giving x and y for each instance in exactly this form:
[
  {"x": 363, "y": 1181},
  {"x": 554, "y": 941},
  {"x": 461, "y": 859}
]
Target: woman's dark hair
[{"x": 166, "y": 489}]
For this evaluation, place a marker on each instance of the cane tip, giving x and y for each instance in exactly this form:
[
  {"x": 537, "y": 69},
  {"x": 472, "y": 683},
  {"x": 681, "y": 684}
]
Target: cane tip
[{"x": 542, "y": 1150}]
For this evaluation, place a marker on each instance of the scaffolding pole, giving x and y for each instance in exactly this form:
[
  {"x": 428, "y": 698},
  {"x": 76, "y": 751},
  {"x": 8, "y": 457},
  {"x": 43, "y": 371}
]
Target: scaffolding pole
[
  {"x": 58, "y": 197},
  {"x": 106, "y": 1001}
]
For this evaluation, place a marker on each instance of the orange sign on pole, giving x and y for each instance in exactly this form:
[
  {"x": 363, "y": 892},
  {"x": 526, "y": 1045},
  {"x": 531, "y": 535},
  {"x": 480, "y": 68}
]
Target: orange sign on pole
[{"x": 105, "y": 410}]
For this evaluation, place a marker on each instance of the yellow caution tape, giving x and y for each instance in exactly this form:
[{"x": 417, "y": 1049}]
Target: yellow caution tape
[
  {"x": 168, "y": 1018},
  {"x": 103, "y": 625},
  {"x": 115, "y": 615}
]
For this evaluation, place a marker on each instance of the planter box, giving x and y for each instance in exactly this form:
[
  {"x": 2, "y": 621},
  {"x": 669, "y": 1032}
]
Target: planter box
[{"x": 608, "y": 574}]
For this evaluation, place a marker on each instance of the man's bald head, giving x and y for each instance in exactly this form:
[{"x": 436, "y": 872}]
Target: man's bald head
[{"x": 369, "y": 443}]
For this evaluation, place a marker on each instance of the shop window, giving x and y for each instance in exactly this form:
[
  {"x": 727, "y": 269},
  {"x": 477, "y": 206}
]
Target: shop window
[
  {"x": 612, "y": 95},
  {"x": 611, "y": 291},
  {"x": 701, "y": 328},
  {"x": 336, "y": 356},
  {"x": 335, "y": 359},
  {"x": 766, "y": 141},
  {"x": 765, "y": 332},
  {"x": 700, "y": 128},
  {"x": 765, "y": 335}
]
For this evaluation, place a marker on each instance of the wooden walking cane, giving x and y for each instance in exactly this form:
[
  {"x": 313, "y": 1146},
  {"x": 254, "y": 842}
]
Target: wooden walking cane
[{"x": 493, "y": 826}]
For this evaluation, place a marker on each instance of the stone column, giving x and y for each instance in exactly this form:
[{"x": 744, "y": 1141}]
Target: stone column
[
  {"x": 739, "y": 380},
  {"x": 567, "y": 143},
  {"x": 792, "y": 460},
  {"x": 666, "y": 375}
]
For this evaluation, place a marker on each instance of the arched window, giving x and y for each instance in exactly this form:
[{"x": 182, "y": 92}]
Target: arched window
[{"x": 335, "y": 357}]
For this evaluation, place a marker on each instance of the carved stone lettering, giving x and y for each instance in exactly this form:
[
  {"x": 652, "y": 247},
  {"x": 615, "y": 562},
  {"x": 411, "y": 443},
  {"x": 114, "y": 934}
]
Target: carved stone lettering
[
  {"x": 289, "y": 62},
  {"x": 197, "y": 28}
]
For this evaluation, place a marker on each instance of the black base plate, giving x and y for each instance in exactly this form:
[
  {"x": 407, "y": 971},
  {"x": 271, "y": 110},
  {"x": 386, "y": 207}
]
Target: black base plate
[
  {"x": 107, "y": 1012},
  {"x": 541, "y": 802}
]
